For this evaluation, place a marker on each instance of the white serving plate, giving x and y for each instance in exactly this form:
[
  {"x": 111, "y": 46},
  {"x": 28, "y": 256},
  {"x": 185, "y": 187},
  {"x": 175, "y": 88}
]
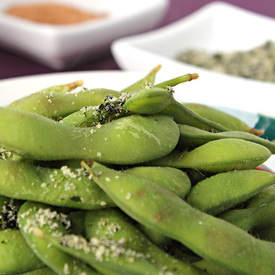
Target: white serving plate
[
  {"x": 215, "y": 27},
  {"x": 14, "y": 88},
  {"x": 65, "y": 46}
]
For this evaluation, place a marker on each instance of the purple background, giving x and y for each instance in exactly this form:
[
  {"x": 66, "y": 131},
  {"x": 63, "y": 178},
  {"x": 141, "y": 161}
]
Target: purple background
[{"x": 12, "y": 65}]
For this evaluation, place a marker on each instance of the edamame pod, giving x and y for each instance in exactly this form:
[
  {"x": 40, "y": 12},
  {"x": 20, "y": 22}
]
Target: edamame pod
[
  {"x": 61, "y": 187},
  {"x": 107, "y": 256},
  {"x": 128, "y": 140},
  {"x": 173, "y": 179},
  {"x": 228, "y": 121},
  {"x": 218, "y": 156},
  {"x": 177, "y": 80},
  {"x": 254, "y": 217},
  {"x": 259, "y": 213},
  {"x": 145, "y": 101},
  {"x": 62, "y": 88},
  {"x": 36, "y": 221},
  {"x": 112, "y": 108},
  {"x": 225, "y": 190},
  {"x": 86, "y": 117},
  {"x": 191, "y": 136},
  {"x": 56, "y": 105},
  {"x": 16, "y": 256},
  {"x": 147, "y": 81},
  {"x": 113, "y": 225},
  {"x": 210, "y": 237},
  {"x": 148, "y": 101},
  {"x": 265, "y": 196},
  {"x": 184, "y": 115}
]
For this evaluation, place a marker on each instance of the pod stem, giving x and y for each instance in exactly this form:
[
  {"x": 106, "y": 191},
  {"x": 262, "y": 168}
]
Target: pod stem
[
  {"x": 178, "y": 80},
  {"x": 73, "y": 85}
]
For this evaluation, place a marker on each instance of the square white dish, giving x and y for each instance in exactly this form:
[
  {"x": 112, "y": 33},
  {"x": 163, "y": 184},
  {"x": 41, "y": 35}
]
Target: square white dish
[
  {"x": 64, "y": 46},
  {"x": 215, "y": 27}
]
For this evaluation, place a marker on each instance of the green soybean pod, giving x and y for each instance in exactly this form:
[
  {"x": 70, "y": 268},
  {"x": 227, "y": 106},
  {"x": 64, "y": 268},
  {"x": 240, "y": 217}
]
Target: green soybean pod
[
  {"x": 16, "y": 256},
  {"x": 145, "y": 101},
  {"x": 148, "y": 101},
  {"x": 61, "y": 187},
  {"x": 211, "y": 238},
  {"x": 225, "y": 119},
  {"x": 113, "y": 225},
  {"x": 191, "y": 136},
  {"x": 62, "y": 88},
  {"x": 184, "y": 115},
  {"x": 146, "y": 81},
  {"x": 85, "y": 117},
  {"x": 57, "y": 105},
  {"x": 265, "y": 196},
  {"x": 218, "y": 156},
  {"x": 41, "y": 271},
  {"x": 260, "y": 212},
  {"x": 226, "y": 190},
  {"x": 107, "y": 256},
  {"x": 177, "y": 80},
  {"x": 112, "y": 108},
  {"x": 173, "y": 179},
  {"x": 36, "y": 221},
  {"x": 128, "y": 140},
  {"x": 253, "y": 217}
]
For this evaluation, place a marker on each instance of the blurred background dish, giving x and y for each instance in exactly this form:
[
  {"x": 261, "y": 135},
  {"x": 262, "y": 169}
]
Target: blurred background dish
[
  {"x": 217, "y": 27},
  {"x": 59, "y": 45},
  {"x": 12, "y": 63}
]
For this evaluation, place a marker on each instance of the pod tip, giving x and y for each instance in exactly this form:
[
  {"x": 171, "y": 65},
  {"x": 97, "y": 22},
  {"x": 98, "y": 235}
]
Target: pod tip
[
  {"x": 256, "y": 132},
  {"x": 157, "y": 68},
  {"x": 74, "y": 84},
  {"x": 194, "y": 76}
]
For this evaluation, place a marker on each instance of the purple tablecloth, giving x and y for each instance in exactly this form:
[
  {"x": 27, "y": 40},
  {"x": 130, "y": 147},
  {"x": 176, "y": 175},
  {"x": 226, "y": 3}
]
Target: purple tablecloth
[{"x": 12, "y": 65}]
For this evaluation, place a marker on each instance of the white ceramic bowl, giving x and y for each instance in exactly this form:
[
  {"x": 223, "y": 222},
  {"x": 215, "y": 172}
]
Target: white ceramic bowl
[
  {"x": 65, "y": 46},
  {"x": 215, "y": 27}
]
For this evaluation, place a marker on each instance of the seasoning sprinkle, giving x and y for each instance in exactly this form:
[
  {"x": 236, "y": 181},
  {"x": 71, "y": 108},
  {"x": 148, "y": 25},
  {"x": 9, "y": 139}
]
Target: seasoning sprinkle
[
  {"x": 258, "y": 63},
  {"x": 52, "y": 13}
]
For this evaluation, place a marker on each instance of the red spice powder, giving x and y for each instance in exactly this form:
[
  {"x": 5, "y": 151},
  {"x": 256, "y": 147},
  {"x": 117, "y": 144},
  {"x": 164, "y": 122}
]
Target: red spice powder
[{"x": 52, "y": 13}]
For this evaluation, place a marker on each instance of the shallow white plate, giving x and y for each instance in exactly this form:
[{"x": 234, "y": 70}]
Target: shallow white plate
[
  {"x": 215, "y": 27},
  {"x": 65, "y": 46},
  {"x": 15, "y": 88}
]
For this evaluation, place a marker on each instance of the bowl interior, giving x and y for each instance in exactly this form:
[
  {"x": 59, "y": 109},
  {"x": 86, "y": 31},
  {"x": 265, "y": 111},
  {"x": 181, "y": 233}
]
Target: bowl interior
[
  {"x": 215, "y": 27},
  {"x": 114, "y": 9}
]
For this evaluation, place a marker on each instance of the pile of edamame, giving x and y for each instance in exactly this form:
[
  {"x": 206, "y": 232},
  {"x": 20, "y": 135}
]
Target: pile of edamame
[{"x": 132, "y": 182}]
